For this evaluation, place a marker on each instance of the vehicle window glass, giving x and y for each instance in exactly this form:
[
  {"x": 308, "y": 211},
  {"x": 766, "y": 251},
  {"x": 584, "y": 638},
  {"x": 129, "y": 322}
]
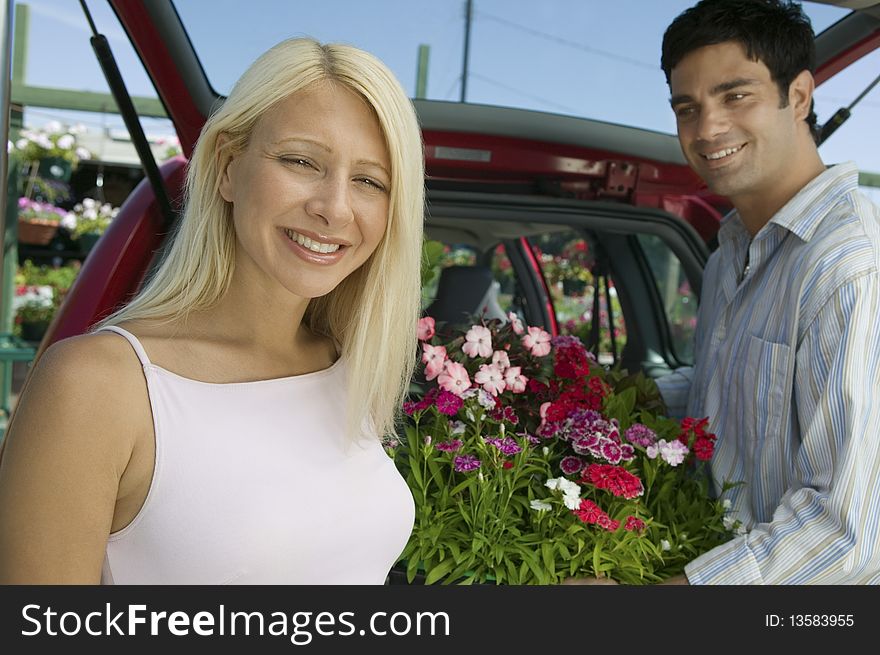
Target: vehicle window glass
[
  {"x": 568, "y": 265},
  {"x": 840, "y": 91},
  {"x": 502, "y": 269},
  {"x": 679, "y": 301},
  {"x": 506, "y": 294}
]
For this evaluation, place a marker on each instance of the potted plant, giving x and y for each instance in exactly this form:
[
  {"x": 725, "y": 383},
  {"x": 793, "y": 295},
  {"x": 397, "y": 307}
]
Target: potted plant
[
  {"x": 529, "y": 463},
  {"x": 39, "y": 292},
  {"x": 34, "y": 307},
  {"x": 51, "y": 152},
  {"x": 38, "y": 221},
  {"x": 88, "y": 221}
]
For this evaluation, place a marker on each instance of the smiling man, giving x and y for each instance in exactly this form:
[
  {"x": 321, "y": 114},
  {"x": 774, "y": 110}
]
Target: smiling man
[{"x": 787, "y": 346}]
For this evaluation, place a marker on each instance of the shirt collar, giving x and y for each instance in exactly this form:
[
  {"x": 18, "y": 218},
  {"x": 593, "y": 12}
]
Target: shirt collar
[{"x": 803, "y": 214}]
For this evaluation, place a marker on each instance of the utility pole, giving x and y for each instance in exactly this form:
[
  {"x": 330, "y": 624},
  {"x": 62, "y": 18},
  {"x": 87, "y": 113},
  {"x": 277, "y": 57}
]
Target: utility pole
[
  {"x": 422, "y": 72},
  {"x": 468, "y": 16}
]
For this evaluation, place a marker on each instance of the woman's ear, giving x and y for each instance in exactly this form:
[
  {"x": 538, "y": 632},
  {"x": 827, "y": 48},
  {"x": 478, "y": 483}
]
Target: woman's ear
[
  {"x": 224, "y": 165},
  {"x": 800, "y": 94}
]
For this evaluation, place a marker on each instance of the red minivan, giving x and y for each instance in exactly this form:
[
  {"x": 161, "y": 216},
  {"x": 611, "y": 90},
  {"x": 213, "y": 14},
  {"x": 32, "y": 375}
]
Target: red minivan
[{"x": 580, "y": 226}]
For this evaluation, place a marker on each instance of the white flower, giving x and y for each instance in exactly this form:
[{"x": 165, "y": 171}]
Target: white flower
[
  {"x": 729, "y": 522},
  {"x": 541, "y": 505},
  {"x": 545, "y": 450},
  {"x": 485, "y": 399},
  {"x": 571, "y": 501},
  {"x": 69, "y": 221},
  {"x": 79, "y": 128},
  {"x": 552, "y": 483},
  {"x": 82, "y": 153},
  {"x": 456, "y": 427},
  {"x": 66, "y": 141},
  {"x": 665, "y": 545},
  {"x": 726, "y": 503},
  {"x": 569, "y": 488},
  {"x": 21, "y": 144},
  {"x": 53, "y": 127},
  {"x": 90, "y": 214}
]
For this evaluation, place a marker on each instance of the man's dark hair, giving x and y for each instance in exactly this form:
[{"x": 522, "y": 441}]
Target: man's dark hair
[{"x": 775, "y": 32}]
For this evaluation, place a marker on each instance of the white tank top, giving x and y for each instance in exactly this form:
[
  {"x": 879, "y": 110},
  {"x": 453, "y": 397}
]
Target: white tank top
[{"x": 254, "y": 483}]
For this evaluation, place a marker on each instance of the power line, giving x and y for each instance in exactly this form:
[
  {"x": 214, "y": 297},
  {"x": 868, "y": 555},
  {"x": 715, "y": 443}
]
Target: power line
[
  {"x": 567, "y": 42},
  {"x": 549, "y": 103}
]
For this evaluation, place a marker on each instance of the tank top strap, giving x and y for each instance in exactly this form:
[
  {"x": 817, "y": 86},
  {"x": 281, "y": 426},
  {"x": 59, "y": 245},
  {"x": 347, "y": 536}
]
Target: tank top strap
[{"x": 133, "y": 340}]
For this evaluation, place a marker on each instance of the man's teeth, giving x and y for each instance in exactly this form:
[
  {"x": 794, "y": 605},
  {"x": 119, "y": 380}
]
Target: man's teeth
[
  {"x": 314, "y": 246},
  {"x": 722, "y": 153}
]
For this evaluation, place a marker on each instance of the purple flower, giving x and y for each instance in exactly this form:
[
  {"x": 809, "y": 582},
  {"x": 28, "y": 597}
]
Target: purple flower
[
  {"x": 448, "y": 403},
  {"x": 571, "y": 465},
  {"x": 627, "y": 452},
  {"x": 611, "y": 452},
  {"x": 641, "y": 435},
  {"x": 449, "y": 446},
  {"x": 566, "y": 341},
  {"x": 587, "y": 445},
  {"x": 507, "y": 446},
  {"x": 465, "y": 463}
]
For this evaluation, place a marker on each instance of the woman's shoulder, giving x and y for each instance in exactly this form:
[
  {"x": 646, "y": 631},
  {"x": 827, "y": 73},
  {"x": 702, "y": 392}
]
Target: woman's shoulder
[{"x": 98, "y": 356}]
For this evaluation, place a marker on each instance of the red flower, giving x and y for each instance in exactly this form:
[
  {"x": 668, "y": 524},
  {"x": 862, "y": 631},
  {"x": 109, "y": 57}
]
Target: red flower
[
  {"x": 507, "y": 465},
  {"x": 615, "y": 479},
  {"x": 634, "y": 524},
  {"x": 703, "y": 448}
]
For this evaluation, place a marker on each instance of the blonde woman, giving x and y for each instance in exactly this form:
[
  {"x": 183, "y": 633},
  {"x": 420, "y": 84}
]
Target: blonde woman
[{"x": 224, "y": 426}]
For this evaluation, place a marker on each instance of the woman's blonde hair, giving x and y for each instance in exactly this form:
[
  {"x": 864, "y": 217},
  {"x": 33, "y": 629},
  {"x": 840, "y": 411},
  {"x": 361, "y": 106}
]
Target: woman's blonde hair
[{"x": 373, "y": 313}]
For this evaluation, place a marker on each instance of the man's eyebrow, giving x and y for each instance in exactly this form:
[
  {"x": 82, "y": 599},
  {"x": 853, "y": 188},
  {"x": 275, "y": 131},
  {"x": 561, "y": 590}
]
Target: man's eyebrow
[{"x": 716, "y": 90}]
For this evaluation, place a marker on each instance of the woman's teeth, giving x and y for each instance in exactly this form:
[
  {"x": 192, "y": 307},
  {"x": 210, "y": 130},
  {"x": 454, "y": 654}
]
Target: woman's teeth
[{"x": 311, "y": 244}]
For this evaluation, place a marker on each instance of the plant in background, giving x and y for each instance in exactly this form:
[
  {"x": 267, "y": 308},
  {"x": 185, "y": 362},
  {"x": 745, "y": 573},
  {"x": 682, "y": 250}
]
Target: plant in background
[
  {"x": 39, "y": 292},
  {"x": 33, "y": 304},
  {"x": 171, "y": 145},
  {"x": 89, "y": 217},
  {"x": 530, "y": 463},
  {"x": 33, "y": 211},
  {"x": 52, "y": 141}
]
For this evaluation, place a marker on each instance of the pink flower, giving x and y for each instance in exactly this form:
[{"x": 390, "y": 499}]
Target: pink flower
[
  {"x": 478, "y": 342},
  {"x": 501, "y": 360},
  {"x": 515, "y": 323},
  {"x": 434, "y": 358},
  {"x": 426, "y": 328},
  {"x": 454, "y": 378},
  {"x": 514, "y": 380},
  {"x": 537, "y": 341},
  {"x": 491, "y": 378}
]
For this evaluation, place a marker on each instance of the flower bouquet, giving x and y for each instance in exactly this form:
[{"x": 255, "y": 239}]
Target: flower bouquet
[{"x": 530, "y": 463}]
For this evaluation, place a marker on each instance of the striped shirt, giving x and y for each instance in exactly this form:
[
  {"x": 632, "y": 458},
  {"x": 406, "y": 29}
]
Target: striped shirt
[{"x": 788, "y": 372}]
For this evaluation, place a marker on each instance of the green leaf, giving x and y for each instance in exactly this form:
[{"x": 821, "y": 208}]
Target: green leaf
[{"x": 439, "y": 571}]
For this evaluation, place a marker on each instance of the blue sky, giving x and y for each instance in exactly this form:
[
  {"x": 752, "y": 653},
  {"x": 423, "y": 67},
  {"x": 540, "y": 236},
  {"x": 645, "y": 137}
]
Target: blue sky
[{"x": 582, "y": 57}]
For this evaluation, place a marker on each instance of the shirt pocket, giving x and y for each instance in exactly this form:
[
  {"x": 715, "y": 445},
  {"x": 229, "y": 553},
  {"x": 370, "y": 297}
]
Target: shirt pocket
[{"x": 765, "y": 389}]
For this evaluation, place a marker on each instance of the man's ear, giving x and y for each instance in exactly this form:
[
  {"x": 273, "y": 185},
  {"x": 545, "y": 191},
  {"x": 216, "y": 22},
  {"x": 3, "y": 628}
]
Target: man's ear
[
  {"x": 800, "y": 94},
  {"x": 224, "y": 165}
]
